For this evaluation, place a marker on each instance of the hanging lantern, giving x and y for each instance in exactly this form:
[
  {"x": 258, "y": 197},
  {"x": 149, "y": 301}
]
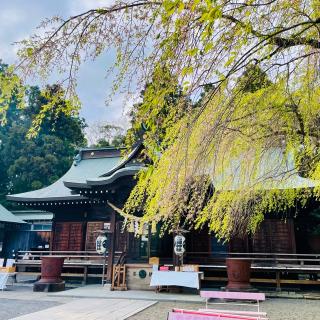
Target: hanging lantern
[
  {"x": 131, "y": 226},
  {"x": 154, "y": 227},
  {"x": 101, "y": 244},
  {"x": 179, "y": 245}
]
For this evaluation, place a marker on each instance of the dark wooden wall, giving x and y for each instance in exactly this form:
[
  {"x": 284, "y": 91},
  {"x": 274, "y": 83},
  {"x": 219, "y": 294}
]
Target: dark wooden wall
[
  {"x": 275, "y": 236},
  {"x": 68, "y": 236},
  {"x": 74, "y": 230},
  {"x": 91, "y": 234},
  {"x": 73, "y": 227}
]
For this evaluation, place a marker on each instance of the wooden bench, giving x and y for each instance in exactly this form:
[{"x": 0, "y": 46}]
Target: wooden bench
[
  {"x": 182, "y": 314},
  {"x": 242, "y": 296}
]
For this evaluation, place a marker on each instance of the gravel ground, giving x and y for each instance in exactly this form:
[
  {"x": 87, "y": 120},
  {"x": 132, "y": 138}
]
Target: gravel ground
[
  {"x": 19, "y": 300},
  {"x": 11, "y": 308},
  {"x": 277, "y": 309}
]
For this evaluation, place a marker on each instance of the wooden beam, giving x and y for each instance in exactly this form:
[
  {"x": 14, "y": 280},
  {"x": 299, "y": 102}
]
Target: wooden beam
[
  {"x": 265, "y": 280},
  {"x": 111, "y": 246}
]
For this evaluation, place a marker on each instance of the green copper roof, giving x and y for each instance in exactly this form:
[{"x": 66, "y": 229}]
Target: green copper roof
[
  {"x": 84, "y": 167},
  {"x": 7, "y": 216},
  {"x": 33, "y": 215},
  {"x": 127, "y": 166},
  {"x": 274, "y": 170},
  {"x": 126, "y": 171}
]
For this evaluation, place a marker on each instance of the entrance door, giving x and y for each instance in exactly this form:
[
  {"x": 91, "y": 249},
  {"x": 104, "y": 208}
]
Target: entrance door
[{"x": 68, "y": 236}]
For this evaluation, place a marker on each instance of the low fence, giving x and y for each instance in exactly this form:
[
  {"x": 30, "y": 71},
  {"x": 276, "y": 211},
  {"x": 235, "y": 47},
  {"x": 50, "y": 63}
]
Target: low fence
[
  {"x": 276, "y": 269},
  {"x": 256, "y": 258},
  {"x": 267, "y": 268},
  {"x": 77, "y": 264}
]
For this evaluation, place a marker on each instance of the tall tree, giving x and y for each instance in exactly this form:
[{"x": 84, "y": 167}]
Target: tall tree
[
  {"x": 201, "y": 43},
  {"x": 153, "y": 117},
  {"x": 33, "y": 162},
  {"x": 100, "y": 135}
]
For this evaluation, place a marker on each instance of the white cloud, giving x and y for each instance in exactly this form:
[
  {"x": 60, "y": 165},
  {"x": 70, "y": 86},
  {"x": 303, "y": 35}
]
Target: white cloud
[
  {"x": 19, "y": 19},
  {"x": 11, "y": 21},
  {"x": 77, "y": 6}
]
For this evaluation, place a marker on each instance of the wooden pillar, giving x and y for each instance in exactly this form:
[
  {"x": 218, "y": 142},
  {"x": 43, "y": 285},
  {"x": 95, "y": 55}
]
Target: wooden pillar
[
  {"x": 85, "y": 275},
  {"x": 149, "y": 242},
  {"x": 278, "y": 282},
  {"x": 52, "y": 235},
  {"x": 112, "y": 235}
]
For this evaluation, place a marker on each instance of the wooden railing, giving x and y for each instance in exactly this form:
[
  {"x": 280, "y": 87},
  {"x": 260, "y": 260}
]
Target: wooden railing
[
  {"x": 257, "y": 258},
  {"x": 266, "y": 268},
  {"x": 274, "y": 268},
  {"x": 68, "y": 255},
  {"x": 81, "y": 264}
]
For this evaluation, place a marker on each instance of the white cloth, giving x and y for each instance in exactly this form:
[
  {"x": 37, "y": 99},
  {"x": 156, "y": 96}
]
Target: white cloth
[
  {"x": 174, "y": 278},
  {"x": 3, "y": 280},
  {"x": 10, "y": 262}
]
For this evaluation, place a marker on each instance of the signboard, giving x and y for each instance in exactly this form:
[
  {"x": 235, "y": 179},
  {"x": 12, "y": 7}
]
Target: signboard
[{"x": 107, "y": 226}]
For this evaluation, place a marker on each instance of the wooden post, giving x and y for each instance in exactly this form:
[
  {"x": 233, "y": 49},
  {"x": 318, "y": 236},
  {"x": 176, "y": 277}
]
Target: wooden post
[
  {"x": 111, "y": 246},
  {"x": 149, "y": 242},
  {"x": 278, "y": 281},
  {"x": 52, "y": 235},
  {"x": 85, "y": 275}
]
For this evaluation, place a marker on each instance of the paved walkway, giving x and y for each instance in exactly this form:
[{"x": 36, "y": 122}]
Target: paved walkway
[
  {"x": 99, "y": 292},
  {"x": 93, "y": 309},
  {"x": 12, "y": 308}
]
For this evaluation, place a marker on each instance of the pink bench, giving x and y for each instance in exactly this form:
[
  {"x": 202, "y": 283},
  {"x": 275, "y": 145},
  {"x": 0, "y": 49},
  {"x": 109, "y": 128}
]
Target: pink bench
[
  {"x": 181, "y": 314},
  {"x": 228, "y": 295}
]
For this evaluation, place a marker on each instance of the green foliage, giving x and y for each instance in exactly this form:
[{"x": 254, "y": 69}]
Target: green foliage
[
  {"x": 244, "y": 161},
  {"x": 106, "y": 135},
  {"x": 116, "y": 141},
  {"x": 186, "y": 47},
  {"x": 34, "y": 162},
  {"x": 253, "y": 79},
  {"x": 162, "y": 105},
  {"x": 11, "y": 91}
]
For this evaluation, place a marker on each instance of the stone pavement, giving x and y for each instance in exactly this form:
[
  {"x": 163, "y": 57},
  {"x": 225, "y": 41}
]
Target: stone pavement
[
  {"x": 93, "y": 309},
  {"x": 99, "y": 292},
  {"x": 11, "y": 308},
  {"x": 19, "y": 292},
  {"x": 94, "y": 302}
]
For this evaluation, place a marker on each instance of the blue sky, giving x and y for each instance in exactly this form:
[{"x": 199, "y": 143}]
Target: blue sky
[{"x": 19, "y": 19}]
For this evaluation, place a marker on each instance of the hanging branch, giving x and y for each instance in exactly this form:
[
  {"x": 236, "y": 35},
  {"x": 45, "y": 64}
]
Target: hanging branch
[{"x": 122, "y": 213}]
